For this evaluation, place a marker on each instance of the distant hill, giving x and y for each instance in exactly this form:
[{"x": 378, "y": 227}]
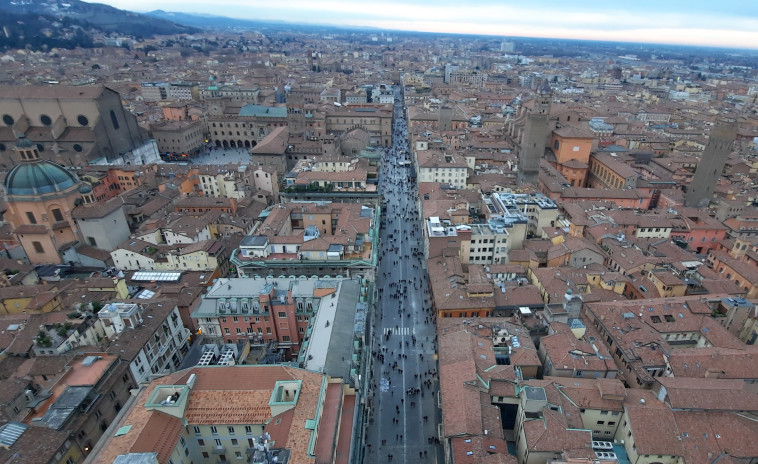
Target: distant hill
[
  {"x": 206, "y": 21},
  {"x": 38, "y": 32},
  {"x": 94, "y": 16}
]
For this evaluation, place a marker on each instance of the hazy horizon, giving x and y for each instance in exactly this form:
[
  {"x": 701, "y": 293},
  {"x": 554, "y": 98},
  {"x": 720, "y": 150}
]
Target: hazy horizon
[{"x": 733, "y": 25}]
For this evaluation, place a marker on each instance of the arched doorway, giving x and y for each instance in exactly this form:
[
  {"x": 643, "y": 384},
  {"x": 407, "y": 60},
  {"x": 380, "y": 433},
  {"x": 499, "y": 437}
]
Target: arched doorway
[
  {"x": 232, "y": 144},
  {"x": 254, "y": 143},
  {"x": 226, "y": 144},
  {"x": 240, "y": 144},
  {"x": 247, "y": 144},
  {"x": 218, "y": 143}
]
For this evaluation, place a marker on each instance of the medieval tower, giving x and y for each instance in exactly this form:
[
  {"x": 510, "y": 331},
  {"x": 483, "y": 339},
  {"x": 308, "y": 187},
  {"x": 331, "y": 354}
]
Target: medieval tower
[
  {"x": 535, "y": 135},
  {"x": 700, "y": 191}
]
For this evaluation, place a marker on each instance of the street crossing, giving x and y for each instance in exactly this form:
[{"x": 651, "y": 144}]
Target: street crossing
[{"x": 400, "y": 331}]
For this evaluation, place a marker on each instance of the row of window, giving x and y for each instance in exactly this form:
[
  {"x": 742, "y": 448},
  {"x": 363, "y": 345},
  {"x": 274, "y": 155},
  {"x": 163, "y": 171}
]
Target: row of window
[
  {"x": 46, "y": 120},
  {"x": 262, "y": 133},
  {"x": 57, "y": 215},
  {"x": 231, "y": 430},
  {"x": 41, "y": 148}
]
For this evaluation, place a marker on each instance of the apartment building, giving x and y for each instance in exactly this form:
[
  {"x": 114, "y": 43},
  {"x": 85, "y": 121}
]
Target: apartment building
[
  {"x": 136, "y": 255},
  {"x": 338, "y": 175},
  {"x": 84, "y": 401},
  {"x": 261, "y": 310},
  {"x": 325, "y": 239},
  {"x": 491, "y": 354},
  {"x": 223, "y": 181},
  {"x": 148, "y": 335},
  {"x": 558, "y": 415},
  {"x": 649, "y": 332},
  {"x": 738, "y": 268},
  {"x": 488, "y": 244},
  {"x": 465, "y": 76},
  {"x": 445, "y": 168},
  {"x": 232, "y": 93},
  {"x": 539, "y": 210},
  {"x": 605, "y": 171},
  {"x": 564, "y": 354},
  {"x": 162, "y": 91},
  {"x": 442, "y": 234},
  {"x": 184, "y": 229},
  {"x": 477, "y": 293},
  {"x": 32, "y": 445},
  {"x": 235, "y": 414}
]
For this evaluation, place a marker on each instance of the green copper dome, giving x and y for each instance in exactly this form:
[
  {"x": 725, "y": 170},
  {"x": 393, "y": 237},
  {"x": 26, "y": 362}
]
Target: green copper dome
[
  {"x": 23, "y": 142},
  {"x": 38, "y": 178}
]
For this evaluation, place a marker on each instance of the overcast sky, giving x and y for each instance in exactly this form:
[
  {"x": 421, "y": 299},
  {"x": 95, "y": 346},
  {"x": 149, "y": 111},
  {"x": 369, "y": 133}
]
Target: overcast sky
[{"x": 728, "y": 23}]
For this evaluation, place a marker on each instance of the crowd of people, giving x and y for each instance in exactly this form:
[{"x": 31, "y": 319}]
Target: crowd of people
[{"x": 409, "y": 383}]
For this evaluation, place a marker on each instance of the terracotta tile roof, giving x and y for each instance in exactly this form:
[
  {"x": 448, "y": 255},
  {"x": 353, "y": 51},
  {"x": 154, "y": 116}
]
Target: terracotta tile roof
[
  {"x": 93, "y": 252},
  {"x": 243, "y": 392},
  {"x": 466, "y": 354},
  {"x": 46, "y": 365},
  {"x": 35, "y": 445},
  {"x": 459, "y": 387},
  {"x": 160, "y": 435},
  {"x": 11, "y": 388},
  {"x": 483, "y": 450},
  {"x": 279, "y": 427},
  {"x": 218, "y": 407},
  {"x": 602, "y": 394},
  {"x": 730, "y": 431},
  {"x": 97, "y": 210},
  {"x": 138, "y": 418},
  {"x": 345, "y": 430},
  {"x": 708, "y": 393},
  {"x": 652, "y": 423},
  {"x": 245, "y": 380},
  {"x": 551, "y": 433},
  {"x": 717, "y": 362},
  {"x": 568, "y": 353},
  {"x": 574, "y": 132}
]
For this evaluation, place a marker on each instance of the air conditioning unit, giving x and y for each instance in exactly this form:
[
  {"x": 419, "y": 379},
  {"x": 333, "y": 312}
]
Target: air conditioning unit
[
  {"x": 602, "y": 445},
  {"x": 606, "y": 455}
]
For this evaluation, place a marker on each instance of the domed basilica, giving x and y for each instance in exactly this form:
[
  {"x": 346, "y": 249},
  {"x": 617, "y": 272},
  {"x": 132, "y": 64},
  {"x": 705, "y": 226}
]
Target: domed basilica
[{"x": 41, "y": 196}]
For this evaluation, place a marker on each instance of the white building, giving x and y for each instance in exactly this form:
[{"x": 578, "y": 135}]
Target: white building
[
  {"x": 446, "y": 168},
  {"x": 149, "y": 336}
]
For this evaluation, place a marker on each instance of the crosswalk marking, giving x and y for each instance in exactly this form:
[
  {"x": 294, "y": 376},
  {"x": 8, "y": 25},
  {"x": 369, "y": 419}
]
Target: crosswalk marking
[{"x": 400, "y": 331}]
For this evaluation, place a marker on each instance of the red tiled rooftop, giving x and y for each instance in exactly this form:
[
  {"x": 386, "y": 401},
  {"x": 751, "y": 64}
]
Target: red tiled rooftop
[
  {"x": 324, "y": 445},
  {"x": 162, "y": 433},
  {"x": 346, "y": 430}
]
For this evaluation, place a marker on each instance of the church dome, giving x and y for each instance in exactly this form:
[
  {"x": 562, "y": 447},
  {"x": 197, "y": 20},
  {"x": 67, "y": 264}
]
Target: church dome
[
  {"x": 85, "y": 189},
  {"x": 38, "y": 178},
  {"x": 23, "y": 142}
]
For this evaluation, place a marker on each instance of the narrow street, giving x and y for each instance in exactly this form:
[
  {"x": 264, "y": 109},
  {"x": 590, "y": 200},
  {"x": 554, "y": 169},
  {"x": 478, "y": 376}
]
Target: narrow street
[{"x": 404, "y": 414}]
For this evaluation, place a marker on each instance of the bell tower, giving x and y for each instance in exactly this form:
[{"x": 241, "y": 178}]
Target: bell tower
[
  {"x": 711, "y": 166},
  {"x": 295, "y": 113},
  {"x": 535, "y": 134}
]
